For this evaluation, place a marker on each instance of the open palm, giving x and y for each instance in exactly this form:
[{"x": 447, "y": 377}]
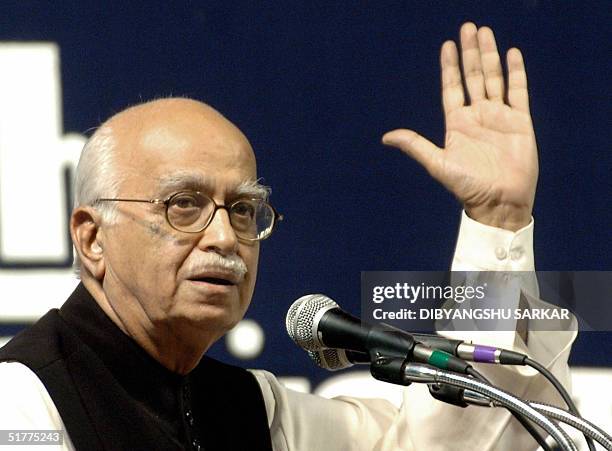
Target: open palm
[{"x": 489, "y": 160}]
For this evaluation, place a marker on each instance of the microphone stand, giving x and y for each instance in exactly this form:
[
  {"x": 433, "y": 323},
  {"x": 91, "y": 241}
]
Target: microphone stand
[
  {"x": 584, "y": 426},
  {"x": 397, "y": 371}
]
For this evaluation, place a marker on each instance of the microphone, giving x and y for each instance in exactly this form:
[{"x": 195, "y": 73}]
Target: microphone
[
  {"x": 316, "y": 322},
  {"x": 311, "y": 308}
]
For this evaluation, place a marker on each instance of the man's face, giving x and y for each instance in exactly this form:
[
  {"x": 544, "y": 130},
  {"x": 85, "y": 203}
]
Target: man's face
[{"x": 153, "y": 272}]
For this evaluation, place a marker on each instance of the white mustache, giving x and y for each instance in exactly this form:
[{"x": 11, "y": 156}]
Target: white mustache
[{"x": 211, "y": 261}]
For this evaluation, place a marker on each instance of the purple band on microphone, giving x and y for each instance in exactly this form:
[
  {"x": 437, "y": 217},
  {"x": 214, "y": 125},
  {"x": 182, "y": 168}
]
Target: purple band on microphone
[{"x": 484, "y": 354}]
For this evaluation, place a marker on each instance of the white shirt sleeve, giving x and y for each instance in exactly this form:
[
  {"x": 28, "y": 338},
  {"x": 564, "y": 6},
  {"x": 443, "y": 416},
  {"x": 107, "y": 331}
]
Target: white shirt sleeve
[
  {"x": 26, "y": 405},
  {"x": 484, "y": 248},
  {"x": 300, "y": 421}
]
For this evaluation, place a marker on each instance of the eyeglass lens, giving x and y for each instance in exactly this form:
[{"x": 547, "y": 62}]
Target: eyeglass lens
[{"x": 191, "y": 211}]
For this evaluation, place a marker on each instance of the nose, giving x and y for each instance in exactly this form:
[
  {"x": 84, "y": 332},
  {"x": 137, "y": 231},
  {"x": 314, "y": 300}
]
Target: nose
[{"x": 219, "y": 236}]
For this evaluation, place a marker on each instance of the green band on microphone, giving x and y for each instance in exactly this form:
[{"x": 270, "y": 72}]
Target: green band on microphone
[{"x": 439, "y": 359}]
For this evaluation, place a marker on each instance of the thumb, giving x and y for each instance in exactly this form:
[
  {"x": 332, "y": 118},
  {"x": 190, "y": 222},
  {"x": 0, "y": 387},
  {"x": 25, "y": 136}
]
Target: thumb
[{"x": 421, "y": 149}]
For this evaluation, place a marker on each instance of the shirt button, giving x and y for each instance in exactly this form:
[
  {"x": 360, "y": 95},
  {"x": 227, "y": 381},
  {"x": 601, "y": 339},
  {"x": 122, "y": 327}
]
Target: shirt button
[
  {"x": 515, "y": 254},
  {"x": 189, "y": 417},
  {"x": 500, "y": 253}
]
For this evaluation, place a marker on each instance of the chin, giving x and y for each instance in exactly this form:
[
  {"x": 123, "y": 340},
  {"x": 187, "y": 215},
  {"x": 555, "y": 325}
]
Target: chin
[{"x": 214, "y": 317}]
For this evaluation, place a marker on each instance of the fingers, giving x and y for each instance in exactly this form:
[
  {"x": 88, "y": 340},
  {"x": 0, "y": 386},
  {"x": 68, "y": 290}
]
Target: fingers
[
  {"x": 452, "y": 88},
  {"x": 482, "y": 69},
  {"x": 422, "y": 150},
  {"x": 517, "y": 81},
  {"x": 491, "y": 65},
  {"x": 472, "y": 67}
]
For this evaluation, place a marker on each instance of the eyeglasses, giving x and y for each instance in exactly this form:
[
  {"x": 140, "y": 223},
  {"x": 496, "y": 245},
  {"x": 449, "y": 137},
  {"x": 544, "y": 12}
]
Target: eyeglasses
[{"x": 193, "y": 211}]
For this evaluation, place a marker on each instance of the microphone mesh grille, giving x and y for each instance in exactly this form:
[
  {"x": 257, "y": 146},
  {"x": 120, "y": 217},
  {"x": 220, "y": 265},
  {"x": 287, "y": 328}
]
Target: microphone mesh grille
[
  {"x": 329, "y": 359},
  {"x": 315, "y": 356},
  {"x": 290, "y": 318},
  {"x": 301, "y": 317}
]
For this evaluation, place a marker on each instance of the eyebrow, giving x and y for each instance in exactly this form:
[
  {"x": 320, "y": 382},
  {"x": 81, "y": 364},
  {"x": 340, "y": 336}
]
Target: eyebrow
[
  {"x": 200, "y": 182},
  {"x": 252, "y": 188},
  {"x": 184, "y": 180}
]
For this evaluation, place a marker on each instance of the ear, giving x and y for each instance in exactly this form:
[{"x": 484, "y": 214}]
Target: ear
[{"x": 87, "y": 238}]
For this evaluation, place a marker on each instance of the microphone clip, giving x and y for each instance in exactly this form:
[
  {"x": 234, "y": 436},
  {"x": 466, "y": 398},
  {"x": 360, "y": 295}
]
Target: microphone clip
[{"x": 388, "y": 368}]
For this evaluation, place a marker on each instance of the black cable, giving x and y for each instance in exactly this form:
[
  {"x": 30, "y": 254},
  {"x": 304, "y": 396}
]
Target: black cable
[
  {"x": 553, "y": 380},
  {"x": 521, "y": 419},
  {"x": 477, "y": 375},
  {"x": 562, "y": 391}
]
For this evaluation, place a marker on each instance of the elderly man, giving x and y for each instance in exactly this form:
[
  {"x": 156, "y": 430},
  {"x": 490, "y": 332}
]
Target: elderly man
[{"x": 167, "y": 227}]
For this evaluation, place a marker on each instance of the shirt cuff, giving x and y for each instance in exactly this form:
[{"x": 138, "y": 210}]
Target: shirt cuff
[{"x": 485, "y": 248}]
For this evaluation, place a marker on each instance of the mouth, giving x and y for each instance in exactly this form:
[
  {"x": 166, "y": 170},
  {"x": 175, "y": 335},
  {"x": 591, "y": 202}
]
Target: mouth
[
  {"x": 214, "y": 281},
  {"x": 219, "y": 278}
]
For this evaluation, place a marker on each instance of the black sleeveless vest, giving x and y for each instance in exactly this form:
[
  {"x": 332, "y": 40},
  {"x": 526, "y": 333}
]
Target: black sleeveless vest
[{"x": 112, "y": 395}]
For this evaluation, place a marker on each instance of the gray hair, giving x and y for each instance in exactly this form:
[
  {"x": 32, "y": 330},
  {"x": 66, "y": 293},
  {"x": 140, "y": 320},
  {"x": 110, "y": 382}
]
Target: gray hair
[{"x": 96, "y": 176}]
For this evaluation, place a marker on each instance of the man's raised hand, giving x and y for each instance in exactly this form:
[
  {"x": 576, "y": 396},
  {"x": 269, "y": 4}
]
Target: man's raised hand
[{"x": 489, "y": 160}]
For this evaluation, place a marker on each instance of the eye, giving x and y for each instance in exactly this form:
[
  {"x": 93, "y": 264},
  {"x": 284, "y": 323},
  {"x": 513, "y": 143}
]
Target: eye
[
  {"x": 186, "y": 201},
  {"x": 186, "y": 209},
  {"x": 244, "y": 210}
]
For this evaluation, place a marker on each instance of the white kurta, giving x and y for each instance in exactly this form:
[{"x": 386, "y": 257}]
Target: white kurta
[{"x": 303, "y": 422}]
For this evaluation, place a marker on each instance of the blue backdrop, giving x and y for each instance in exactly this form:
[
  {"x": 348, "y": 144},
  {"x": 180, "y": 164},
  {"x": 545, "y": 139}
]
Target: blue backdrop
[{"x": 314, "y": 85}]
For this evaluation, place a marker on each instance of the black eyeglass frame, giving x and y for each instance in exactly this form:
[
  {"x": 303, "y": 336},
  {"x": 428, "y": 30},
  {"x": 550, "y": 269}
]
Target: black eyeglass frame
[{"x": 277, "y": 217}]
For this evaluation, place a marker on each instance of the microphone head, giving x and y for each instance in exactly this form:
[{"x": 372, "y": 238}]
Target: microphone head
[
  {"x": 330, "y": 359},
  {"x": 303, "y": 318}
]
